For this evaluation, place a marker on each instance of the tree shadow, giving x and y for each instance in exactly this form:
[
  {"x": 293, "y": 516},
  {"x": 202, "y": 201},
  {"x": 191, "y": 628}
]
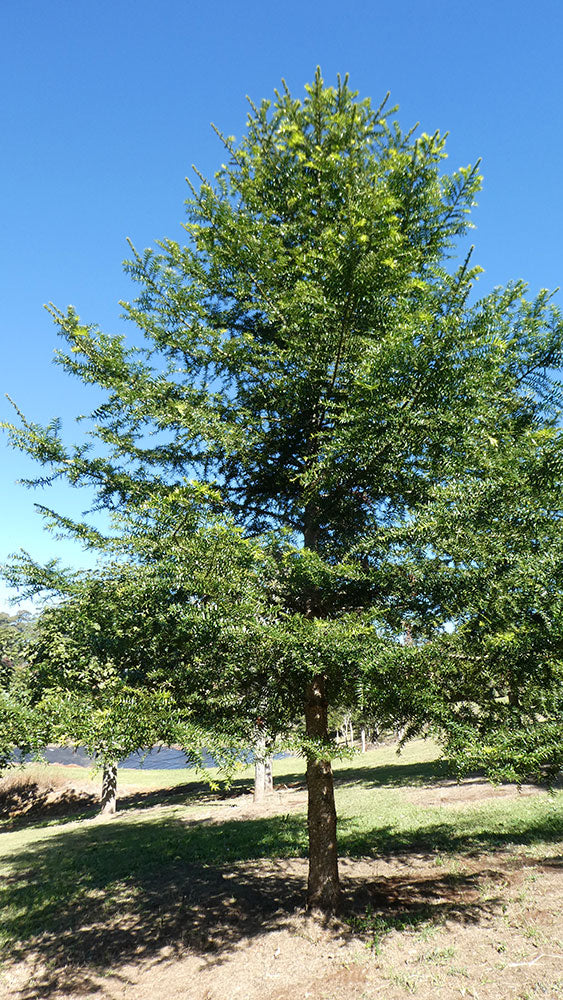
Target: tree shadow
[
  {"x": 89, "y": 899},
  {"x": 418, "y": 774},
  {"x": 109, "y": 893},
  {"x": 406, "y": 903},
  {"x": 30, "y": 804},
  {"x": 384, "y": 776},
  {"x": 435, "y": 838}
]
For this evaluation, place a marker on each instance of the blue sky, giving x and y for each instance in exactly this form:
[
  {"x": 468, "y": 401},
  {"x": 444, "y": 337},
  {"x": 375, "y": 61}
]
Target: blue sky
[{"x": 107, "y": 105}]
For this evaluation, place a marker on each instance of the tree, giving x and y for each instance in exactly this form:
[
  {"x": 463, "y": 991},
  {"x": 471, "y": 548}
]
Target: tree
[
  {"x": 168, "y": 646},
  {"x": 89, "y": 673},
  {"x": 493, "y": 538},
  {"x": 20, "y": 727},
  {"x": 310, "y": 354}
]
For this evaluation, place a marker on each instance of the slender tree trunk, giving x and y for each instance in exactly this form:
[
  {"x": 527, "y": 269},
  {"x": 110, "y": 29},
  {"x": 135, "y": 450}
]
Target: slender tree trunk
[
  {"x": 324, "y": 891},
  {"x": 268, "y": 775},
  {"x": 109, "y": 788},
  {"x": 259, "y": 779},
  {"x": 263, "y": 778},
  {"x": 363, "y": 735}
]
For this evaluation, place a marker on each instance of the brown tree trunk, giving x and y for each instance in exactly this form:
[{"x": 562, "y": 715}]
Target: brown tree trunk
[
  {"x": 323, "y": 891},
  {"x": 109, "y": 788}
]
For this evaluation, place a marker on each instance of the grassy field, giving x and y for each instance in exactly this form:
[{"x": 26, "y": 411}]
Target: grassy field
[{"x": 188, "y": 893}]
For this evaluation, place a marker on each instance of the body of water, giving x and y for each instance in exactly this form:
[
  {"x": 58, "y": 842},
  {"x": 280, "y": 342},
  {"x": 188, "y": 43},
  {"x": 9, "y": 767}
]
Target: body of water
[{"x": 159, "y": 758}]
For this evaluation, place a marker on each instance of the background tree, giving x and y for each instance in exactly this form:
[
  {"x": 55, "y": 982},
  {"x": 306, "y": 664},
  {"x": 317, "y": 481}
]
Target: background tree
[
  {"x": 310, "y": 355},
  {"x": 90, "y": 674},
  {"x": 22, "y": 731},
  {"x": 169, "y": 646},
  {"x": 494, "y": 552}
]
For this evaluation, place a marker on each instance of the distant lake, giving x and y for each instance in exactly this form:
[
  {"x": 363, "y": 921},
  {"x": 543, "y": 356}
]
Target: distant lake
[{"x": 159, "y": 758}]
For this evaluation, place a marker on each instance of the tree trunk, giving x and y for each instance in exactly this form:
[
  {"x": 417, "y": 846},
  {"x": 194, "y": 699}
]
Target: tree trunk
[
  {"x": 268, "y": 776},
  {"x": 323, "y": 891},
  {"x": 109, "y": 788},
  {"x": 363, "y": 735},
  {"x": 263, "y": 779},
  {"x": 259, "y": 775}
]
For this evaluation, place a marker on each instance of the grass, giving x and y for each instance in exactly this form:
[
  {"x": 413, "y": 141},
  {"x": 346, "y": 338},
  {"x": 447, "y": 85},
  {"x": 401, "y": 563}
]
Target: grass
[{"x": 177, "y": 858}]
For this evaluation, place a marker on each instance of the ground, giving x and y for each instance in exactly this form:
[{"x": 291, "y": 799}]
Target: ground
[{"x": 451, "y": 890}]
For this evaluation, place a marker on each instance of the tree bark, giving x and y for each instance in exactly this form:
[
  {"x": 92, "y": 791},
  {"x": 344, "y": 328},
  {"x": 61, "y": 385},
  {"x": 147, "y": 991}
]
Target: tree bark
[
  {"x": 109, "y": 788},
  {"x": 323, "y": 892},
  {"x": 323, "y": 888}
]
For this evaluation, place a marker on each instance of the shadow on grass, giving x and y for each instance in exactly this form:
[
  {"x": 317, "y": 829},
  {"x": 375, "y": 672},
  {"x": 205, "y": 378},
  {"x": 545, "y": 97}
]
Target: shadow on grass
[
  {"x": 30, "y": 805},
  {"x": 407, "y": 904},
  {"x": 437, "y": 838},
  {"x": 112, "y": 892},
  {"x": 384, "y": 776},
  {"x": 117, "y": 892}
]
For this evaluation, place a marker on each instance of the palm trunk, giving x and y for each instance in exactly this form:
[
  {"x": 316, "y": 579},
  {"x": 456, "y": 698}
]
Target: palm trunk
[
  {"x": 109, "y": 788},
  {"x": 323, "y": 891}
]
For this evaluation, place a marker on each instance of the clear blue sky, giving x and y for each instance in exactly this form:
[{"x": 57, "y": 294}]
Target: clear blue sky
[{"x": 107, "y": 104}]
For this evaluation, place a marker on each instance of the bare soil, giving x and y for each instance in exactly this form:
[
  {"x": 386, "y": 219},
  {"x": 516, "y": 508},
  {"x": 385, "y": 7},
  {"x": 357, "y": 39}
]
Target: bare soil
[{"x": 485, "y": 925}]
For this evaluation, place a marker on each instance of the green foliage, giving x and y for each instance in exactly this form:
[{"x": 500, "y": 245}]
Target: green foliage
[
  {"x": 20, "y": 727},
  {"x": 13, "y": 632},
  {"x": 494, "y": 560},
  {"x": 105, "y": 665}
]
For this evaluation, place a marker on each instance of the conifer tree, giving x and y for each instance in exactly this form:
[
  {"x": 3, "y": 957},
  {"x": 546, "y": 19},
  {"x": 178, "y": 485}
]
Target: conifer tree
[{"x": 311, "y": 354}]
